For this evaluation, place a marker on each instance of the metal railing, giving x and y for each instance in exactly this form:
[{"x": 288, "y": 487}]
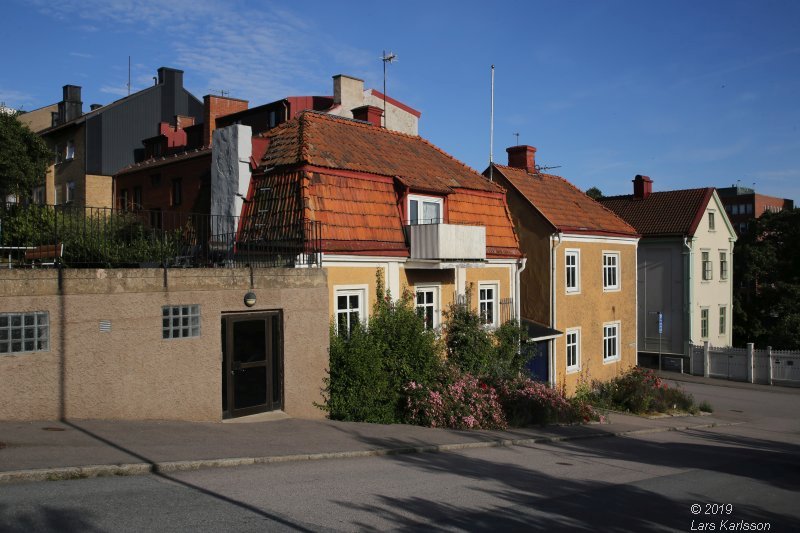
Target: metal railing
[{"x": 112, "y": 238}]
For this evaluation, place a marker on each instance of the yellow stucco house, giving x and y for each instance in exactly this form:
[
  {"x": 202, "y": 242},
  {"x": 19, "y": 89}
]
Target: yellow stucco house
[
  {"x": 580, "y": 278},
  {"x": 386, "y": 202}
]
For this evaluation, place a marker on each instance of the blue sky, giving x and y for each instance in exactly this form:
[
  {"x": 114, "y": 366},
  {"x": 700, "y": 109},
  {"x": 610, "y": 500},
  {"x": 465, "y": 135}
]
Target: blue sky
[{"x": 690, "y": 93}]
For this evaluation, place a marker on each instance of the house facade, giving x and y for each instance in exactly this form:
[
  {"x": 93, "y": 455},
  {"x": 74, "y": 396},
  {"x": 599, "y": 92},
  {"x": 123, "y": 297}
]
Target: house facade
[
  {"x": 89, "y": 148},
  {"x": 685, "y": 266},
  {"x": 391, "y": 205},
  {"x": 580, "y": 278}
]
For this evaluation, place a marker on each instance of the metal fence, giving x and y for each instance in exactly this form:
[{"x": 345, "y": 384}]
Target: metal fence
[
  {"x": 110, "y": 238},
  {"x": 767, "y": 366}
]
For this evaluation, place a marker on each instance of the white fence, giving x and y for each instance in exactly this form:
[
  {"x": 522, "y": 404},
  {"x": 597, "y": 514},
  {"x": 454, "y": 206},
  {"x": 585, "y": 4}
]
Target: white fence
[{"x": 778, "y": 367}]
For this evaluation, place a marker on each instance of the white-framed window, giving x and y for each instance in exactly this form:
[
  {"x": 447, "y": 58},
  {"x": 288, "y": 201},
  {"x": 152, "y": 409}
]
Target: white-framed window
[
  {"x": 723, "y": 320},
  {"x": 350, "y": 308},
  {"x": 711, "y": 221},
  {"x": 487, "y": 303},
  {"x": 611, "y": 271},
  {"x": 179, "y": 321},
  {"x": 611, "y": 341},
  {"x": 704, "y": 323},
  {"x": 425, "y": 210},
  {"x": 24, "y": 332},
  {"x": 572, "y": 270},
  {"x": 708, "y": 273},
  {"x": 573, "y": 337},
  {"x": 427, "y": 304},
  {"x": 70, "y": 150},
  {"x": 723, "y": 265},
  {"x": 70, "y": 192},
  {"x": 39, "y": 195}
]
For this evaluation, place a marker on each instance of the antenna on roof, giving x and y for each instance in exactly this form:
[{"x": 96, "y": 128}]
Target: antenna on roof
[
  {"x": 386, "y": 58},
  {"x": 517, "y": 136},
  {"x": 540, "y": 168},
  {"x": 491, "y": 132},
  {"x": 129, "y": 75},
  {"x": 222, "y": 92}
]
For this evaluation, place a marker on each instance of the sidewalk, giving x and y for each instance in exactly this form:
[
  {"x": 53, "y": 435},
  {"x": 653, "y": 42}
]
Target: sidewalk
[
  {"x": 721, "y": 382},
  {"x": 50, "y": 450}
]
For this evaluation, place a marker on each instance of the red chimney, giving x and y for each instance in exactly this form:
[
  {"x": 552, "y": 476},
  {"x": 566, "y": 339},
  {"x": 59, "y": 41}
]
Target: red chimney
[
  {"x": 642, "y": 186},
  {"x": 368, "y": 113},
  {"x": 523, "y": 157},
  {"x": 215, "y": 107}
]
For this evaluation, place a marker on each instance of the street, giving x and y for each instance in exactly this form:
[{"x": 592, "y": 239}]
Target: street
[{"x": 646, "y": 482}]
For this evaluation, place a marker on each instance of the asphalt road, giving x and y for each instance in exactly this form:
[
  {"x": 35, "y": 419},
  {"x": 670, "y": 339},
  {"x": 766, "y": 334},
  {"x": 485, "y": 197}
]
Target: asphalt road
[{"x": 642, "y": 483}]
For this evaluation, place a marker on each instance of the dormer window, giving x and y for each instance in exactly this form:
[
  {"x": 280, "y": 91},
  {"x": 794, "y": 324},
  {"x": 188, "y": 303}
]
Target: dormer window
[{"x": 425, "y": 210}]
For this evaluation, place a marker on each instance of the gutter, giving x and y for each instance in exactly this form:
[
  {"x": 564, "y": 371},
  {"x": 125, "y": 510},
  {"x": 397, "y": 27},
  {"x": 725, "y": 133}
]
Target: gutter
[
  {"x": 521, "y": 264},
  {"x": 688, "y": 293}
]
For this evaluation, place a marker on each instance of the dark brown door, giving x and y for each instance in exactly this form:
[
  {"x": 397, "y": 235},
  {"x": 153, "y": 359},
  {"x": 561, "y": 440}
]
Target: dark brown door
[{"x": 252, "y": 363}]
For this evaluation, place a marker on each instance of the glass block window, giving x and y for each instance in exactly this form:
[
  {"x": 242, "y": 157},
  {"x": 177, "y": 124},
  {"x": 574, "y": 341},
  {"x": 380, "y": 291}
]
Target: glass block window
[
  {"x": 180, "y": 321},
  {"x": 24, "y": 332}
]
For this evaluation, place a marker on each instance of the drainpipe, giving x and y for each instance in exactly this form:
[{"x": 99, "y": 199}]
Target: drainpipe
[
  {"x": 688, "y": 277},
  {"x": 553, "y": 249},
  {"x": 729, "y": 318},
  {"x": 521, "y": 264}
]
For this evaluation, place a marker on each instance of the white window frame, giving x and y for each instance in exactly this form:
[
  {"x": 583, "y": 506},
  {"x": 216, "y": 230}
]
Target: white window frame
[
  {"x": 495, "y": 302},
  {"x": 31, "y": 328},
  {"x": 612, "y": 341},
  {"x": 180, "y": 321},
  {"x": 435, "y": 290},
  {"x": 615, "y": 268},
  {"x": 420, "y": 199},
  {"x": 70, "y": 155},
  {"x": 723, "y": 320},
  {"x": 723, "y": 265},
  {"x": 576, "y": 253},
  {"x": 576, "y": 366},
  {"x": 712, "y": 223},
  {"x": 350, "y": 290},
  {"x": 706, "y": 266},
  {"x": 704, "y": 317}
]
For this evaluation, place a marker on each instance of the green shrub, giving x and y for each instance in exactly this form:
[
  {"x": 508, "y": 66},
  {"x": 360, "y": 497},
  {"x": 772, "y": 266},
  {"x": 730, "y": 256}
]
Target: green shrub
[{"x": 469, "y": 345}]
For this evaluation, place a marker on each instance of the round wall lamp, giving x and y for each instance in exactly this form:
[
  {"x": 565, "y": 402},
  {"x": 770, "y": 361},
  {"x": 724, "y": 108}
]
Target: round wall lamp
[{"x": 250, "y": 299}]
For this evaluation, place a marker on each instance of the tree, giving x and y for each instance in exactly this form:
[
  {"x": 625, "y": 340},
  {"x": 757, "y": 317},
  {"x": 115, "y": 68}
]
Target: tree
[
  {"x": 594, "y": 193},
  {"x": 767, "y": 276},
  {"x": 24, "y": 158}
]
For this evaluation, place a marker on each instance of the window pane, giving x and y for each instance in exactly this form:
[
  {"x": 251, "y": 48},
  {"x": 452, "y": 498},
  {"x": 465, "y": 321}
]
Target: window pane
[
  {"x": 430, "y": 212},
  {"x": 354, "y": 302},
  {"x": 341, "y": 302},
  {"x": 413, "y": 213}
]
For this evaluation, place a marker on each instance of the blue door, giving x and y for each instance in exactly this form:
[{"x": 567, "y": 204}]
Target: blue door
[{"x": 538, "y": 364}]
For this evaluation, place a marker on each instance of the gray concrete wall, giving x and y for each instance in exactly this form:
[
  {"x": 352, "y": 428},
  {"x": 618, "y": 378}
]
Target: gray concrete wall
[{"x": 131, "y": 372}]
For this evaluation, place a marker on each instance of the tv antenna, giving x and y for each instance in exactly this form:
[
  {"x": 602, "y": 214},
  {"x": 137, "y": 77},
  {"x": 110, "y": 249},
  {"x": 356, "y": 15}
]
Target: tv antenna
[
  {"x": 386, "y": 58},
  {"x": 129, "y": 75},
  {"x": 517, "y": 136},
  {"x": 222, "y": 92}
]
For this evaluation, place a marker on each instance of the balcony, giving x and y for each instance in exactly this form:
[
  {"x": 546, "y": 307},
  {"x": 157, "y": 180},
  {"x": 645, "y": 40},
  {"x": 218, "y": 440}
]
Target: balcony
[{"x": 447, "y": 242}]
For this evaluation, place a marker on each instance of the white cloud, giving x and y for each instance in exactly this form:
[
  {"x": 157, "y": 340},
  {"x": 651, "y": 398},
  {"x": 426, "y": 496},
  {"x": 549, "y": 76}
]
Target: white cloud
[{"x": 15, "y": 99}]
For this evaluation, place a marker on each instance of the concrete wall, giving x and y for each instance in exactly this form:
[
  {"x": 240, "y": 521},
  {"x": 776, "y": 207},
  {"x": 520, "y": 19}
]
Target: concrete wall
[
  {"x": 714, "y": 293},
  {"x": 131, "y": 372},
  {"x": 592, "y": 307}
]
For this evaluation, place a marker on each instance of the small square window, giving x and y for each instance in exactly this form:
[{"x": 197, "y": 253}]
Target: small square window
[
  {"x": 24, "y": 332},
  {"x": 176, "y": 319}
]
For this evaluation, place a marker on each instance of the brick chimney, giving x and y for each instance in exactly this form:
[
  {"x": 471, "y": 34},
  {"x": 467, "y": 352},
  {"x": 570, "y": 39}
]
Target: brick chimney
[
  {"x": 71, "y": 106},
  {"x": 642, "y": 186},
  {"x": 215, "y": 107},
  {"x": 523, "y": 157},
  {"x": 368, "y": 113}
]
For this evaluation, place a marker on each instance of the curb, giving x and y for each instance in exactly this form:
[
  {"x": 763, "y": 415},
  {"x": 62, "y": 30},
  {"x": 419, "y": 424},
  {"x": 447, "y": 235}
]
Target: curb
[{"x": 137, "y": 469}]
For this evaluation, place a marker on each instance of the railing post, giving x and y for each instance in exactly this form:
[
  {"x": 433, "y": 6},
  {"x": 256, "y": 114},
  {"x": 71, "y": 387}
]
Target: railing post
[
  {"x": 706, "y": 360},
  {"x": 769, "y": 361},
  {"x": 687, "y": 350},
  {"x": 750, "y": 363}
]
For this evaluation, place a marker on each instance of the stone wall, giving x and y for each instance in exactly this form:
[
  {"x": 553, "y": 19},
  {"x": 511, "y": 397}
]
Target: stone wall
[{"x": 130, "y": 371}]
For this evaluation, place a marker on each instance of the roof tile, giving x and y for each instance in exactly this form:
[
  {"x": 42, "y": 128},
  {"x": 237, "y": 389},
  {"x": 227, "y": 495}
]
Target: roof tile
[{"x": 662, "y": 213}]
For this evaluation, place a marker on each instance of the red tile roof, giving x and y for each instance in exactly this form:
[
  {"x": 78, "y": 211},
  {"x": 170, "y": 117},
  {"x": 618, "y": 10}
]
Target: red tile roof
[
  {"x": 357, "y": 175},
  {"x": 565, "y": 206},
  {"x": 662, "y": 213}
]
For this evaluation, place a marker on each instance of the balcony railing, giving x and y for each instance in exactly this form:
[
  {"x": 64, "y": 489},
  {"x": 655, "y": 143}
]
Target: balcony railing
[
  {"x": 447, "y": 242},
  {"x": 110, "y": 238}
]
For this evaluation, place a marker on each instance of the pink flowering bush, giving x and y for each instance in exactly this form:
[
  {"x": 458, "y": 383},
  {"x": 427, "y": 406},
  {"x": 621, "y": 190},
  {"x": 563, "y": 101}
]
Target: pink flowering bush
[
  {"x": 640, "y": 391},
  {"x": 526, "y": 402},
  {"x": 457, "y": 401}
]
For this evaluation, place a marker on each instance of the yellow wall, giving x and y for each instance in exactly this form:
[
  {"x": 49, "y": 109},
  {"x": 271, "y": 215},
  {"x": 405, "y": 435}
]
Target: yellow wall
[
  {"x": 593, "y": 307},
  {"x": 353, "y": 275}
]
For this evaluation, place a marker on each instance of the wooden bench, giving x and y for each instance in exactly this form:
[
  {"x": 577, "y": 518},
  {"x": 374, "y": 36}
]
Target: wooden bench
[{"x": 45, "y": 255}]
